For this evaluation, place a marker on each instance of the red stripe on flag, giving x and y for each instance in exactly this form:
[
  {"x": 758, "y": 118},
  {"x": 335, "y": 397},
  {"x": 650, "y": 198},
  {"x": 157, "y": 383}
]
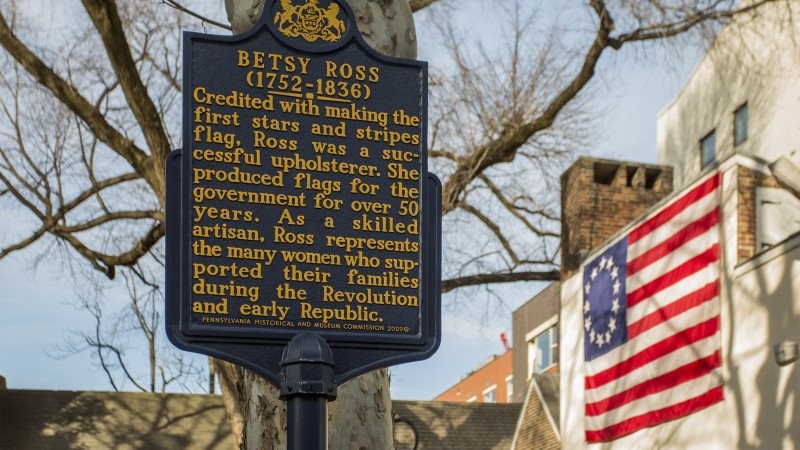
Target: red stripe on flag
[
  {"x": 674, "y": 209},
  {"x": 656, "y": 417},
  {"x": 655, "y": 351},
  {"x": 690, "y": 231},
  {"x": 673, "y": 276},
  {"x": 685, "y": 303},
  {"x": 687, "y": 372}
]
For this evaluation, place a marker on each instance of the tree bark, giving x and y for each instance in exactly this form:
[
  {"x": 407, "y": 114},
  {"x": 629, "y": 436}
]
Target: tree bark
[{"x": 361, "y": 417}]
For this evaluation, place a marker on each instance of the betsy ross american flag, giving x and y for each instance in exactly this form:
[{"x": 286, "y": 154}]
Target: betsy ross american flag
[{"x": 651, "y": 318}]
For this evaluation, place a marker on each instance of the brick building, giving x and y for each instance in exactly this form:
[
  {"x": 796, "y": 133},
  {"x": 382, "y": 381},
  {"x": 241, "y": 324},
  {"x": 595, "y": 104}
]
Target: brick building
[
  {"x": 492, "y": 382},
  {"x": 617, "y": 191}
]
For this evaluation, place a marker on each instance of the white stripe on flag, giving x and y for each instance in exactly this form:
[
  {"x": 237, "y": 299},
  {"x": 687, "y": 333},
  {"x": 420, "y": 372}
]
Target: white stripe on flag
[
  {"x": 680, "y": 255},
  {"x": 693, "y": 212},
  {"x": 679, "y": 393},
  {"x": 678, "y": 290},
  {"x": 694, "y": 316},
  {"x": 678, "y": 358}
]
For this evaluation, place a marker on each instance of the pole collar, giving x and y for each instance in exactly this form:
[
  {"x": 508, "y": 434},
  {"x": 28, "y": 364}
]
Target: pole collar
[{"x": 307, "y": 367}]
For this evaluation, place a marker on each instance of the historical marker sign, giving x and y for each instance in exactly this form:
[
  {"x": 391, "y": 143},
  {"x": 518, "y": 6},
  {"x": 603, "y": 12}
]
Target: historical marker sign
[{"x": 301, "y": 199}]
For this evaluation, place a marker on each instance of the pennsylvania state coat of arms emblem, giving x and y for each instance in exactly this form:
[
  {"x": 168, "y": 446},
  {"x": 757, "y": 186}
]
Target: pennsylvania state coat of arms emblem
[{"x": 309, "y": 21}]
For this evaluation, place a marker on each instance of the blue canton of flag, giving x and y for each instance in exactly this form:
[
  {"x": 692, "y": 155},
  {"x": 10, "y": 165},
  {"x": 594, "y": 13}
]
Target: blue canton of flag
[{"x": 604, "y": 306}]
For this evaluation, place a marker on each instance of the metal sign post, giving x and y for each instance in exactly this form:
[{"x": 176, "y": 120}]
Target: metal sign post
[
  {"x": 307, "y": 387},
  {"x": 303, "y": 228}
]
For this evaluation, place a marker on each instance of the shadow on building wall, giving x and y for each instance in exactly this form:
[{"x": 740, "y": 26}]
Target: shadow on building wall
[{"x": 769, "y": 418}]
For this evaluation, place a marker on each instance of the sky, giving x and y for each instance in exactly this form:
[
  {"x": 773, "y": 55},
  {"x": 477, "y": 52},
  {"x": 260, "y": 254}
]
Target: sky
[{"x": 36, "y": 295}]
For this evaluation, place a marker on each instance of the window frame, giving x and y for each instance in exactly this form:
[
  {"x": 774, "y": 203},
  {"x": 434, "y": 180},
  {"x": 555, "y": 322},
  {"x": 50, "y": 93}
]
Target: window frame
[
  {"x": 741, "y": 132},
  {"x": 549, "y": 326},
  {"x": 490, "y": 390},
  {"x": 712, "y": 136}
]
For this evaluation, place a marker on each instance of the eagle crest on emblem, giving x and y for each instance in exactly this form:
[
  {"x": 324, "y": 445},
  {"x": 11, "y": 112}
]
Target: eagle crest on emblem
[{"x": 309, "y": 21}]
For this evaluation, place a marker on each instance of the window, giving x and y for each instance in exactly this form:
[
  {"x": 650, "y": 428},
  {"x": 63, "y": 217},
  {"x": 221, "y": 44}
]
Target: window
[
  {"x": 740, "y": 125},
  {"x": 509, "y": 388},
  {"x": 543, "y": 351},
  {"x": 471, "y": 399},
  {"x": 490, "y": 394},
  {"x": 708, "y": 149},
  {"x": 777, "y": 216}
]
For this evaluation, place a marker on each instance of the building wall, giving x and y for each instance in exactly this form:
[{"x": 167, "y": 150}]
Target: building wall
[
  {"x": 538, "y": 312},
  {"x": 760, "y": 307},
  {"x": 755, "y": 60},
  {"x": 765, "y": 299},
  {"x": 494, "y": 373}
]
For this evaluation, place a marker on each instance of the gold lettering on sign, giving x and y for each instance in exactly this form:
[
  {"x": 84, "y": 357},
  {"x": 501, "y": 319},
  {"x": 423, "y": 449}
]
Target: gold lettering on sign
[
  {"x": 309, "y": 21},
  {"x": 305, "y": 189}
]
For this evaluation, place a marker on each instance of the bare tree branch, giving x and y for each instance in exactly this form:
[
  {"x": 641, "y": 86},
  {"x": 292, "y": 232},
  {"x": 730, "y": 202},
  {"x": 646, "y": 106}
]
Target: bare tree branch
[
  {"x": 515, "y": 210},
  {"x": 495, "y": 229},
  {"x": 108, "y": 217},
  {"x": 77, "y": 103},
  {"x": 503, "y": 149},
  {"x": 23, "y": 243},
  {"x": 106, "y": 19},
  {"x": 491, "y": 278},
  {"x": 181, "y": 8},
  {"x": 105, "y": 262}
]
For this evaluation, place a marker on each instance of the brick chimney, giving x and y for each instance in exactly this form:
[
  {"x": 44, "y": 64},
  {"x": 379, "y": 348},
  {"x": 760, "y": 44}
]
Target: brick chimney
[{"x": 599, "y": 197}]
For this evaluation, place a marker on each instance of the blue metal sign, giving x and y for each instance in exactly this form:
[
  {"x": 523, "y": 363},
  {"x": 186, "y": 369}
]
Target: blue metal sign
[{"x": 301, "y": 200}]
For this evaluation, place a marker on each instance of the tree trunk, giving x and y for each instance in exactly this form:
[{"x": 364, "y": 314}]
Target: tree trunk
[{"x": 360, "y": 418}]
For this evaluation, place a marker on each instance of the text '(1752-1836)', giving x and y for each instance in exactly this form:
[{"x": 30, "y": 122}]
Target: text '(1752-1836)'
[{"x": 306, "y": 180}]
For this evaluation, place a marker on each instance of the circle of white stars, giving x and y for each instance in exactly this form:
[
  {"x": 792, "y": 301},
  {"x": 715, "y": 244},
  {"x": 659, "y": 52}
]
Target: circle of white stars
[{"x": 597, "y": 335}]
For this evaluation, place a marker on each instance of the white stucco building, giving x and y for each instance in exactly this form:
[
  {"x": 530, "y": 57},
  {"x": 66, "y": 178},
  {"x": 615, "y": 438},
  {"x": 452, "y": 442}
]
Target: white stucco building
[{"x": 739, "y": 111}]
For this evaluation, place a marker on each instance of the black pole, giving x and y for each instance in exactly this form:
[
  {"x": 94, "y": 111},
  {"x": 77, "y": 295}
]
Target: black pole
[
  {"x": 307, "y": 427},
  {"x": 307, "y": 386}
]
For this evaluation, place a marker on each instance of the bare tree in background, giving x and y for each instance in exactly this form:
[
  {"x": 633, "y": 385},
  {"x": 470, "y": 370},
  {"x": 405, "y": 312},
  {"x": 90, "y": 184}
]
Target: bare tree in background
[
  {"x": 91, "y": 109},
  {"x": 117, "y": 334},
  {"x": 59, "y": 174}
]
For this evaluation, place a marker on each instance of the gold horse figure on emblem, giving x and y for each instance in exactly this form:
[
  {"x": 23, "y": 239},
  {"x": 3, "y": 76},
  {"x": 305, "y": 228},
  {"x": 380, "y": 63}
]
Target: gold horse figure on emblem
[{"x": 285, "y": 15}]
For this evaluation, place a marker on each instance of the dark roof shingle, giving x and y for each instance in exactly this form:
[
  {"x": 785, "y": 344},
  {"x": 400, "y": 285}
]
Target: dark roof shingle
[{"x": 462, "y": 426}]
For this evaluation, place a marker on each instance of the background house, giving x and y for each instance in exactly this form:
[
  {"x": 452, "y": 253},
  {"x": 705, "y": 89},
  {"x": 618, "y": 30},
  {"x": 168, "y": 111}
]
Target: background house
[
  {"x": 506, "y": 378},
  {"x": 490, "y": 383},
  {"x": 535, "y": 339}
]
